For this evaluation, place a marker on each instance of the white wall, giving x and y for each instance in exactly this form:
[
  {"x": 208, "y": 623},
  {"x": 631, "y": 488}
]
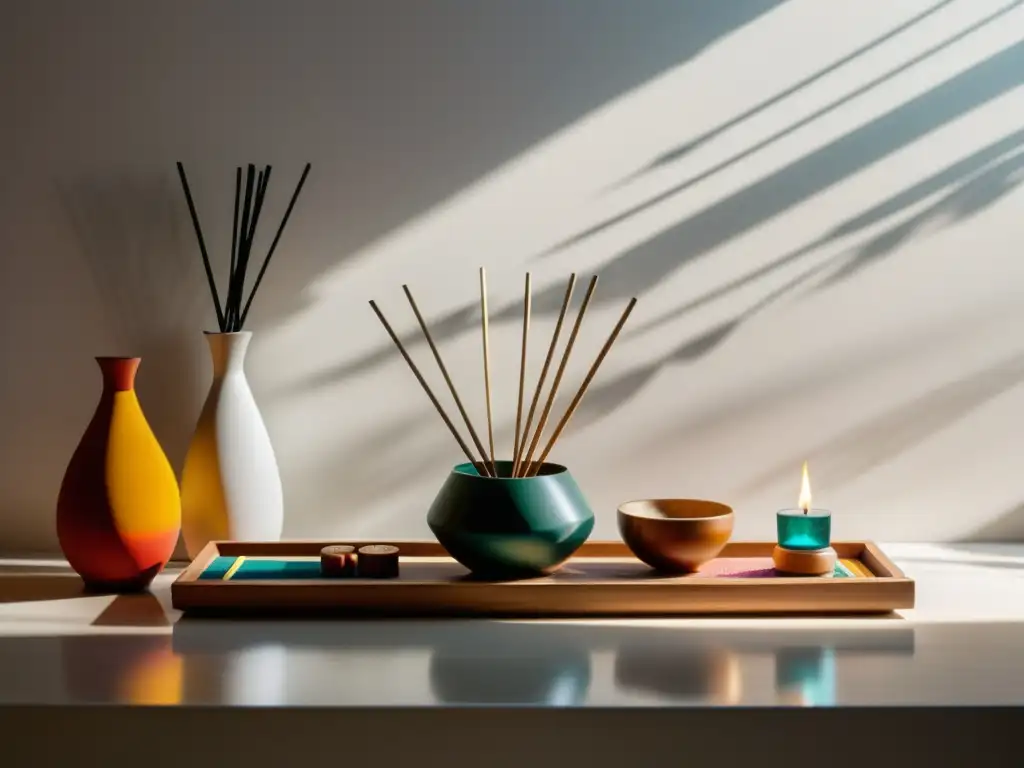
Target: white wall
[{"x": 828, "y": 259}]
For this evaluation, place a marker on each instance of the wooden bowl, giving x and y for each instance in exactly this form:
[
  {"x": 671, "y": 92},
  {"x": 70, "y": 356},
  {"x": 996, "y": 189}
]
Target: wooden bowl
[{"x": 675, "y": 535}]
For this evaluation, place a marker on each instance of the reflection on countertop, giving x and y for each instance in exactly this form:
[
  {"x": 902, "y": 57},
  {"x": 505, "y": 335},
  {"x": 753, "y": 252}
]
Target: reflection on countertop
[
  {"x": 543, "y": 664},
  {"x": 960, "y": 646},
  {"x": 429, "y": 663}
]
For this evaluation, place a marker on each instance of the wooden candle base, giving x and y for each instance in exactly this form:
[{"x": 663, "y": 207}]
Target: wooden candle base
[{"x": 816, "y": 562}]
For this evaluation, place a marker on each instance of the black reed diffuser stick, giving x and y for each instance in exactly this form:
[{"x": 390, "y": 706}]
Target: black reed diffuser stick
[
  {"x": 202, "y": 246},
  {"x": 248, "y": 207},
  {"x": 234, "y": 223},
  {"x": 277, "y": 237}
]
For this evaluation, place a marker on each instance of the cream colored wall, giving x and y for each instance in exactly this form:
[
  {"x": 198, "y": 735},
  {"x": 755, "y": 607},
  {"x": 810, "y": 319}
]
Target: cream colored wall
[{"x": 828, "y": 259}]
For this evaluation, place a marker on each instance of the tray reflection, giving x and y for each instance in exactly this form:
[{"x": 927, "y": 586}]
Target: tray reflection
[
  {"x": 456, "y": 663},
  {"x": 541, "y": 664}
]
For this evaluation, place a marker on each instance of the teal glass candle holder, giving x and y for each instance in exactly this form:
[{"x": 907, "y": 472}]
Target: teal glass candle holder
[{"x": 804, "y": 531}]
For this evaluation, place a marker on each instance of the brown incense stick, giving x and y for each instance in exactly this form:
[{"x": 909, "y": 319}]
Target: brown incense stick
[
  {"x": 447, "y": 378},
  {"x": 583, "y": 387},
  {"x": 426, "y": 388},
  {"x": 487, "y": 367},
  {"x": 530, "y": 471},
  {"x": 522, "y": 377},
  {"x": 544, "y": 371}
]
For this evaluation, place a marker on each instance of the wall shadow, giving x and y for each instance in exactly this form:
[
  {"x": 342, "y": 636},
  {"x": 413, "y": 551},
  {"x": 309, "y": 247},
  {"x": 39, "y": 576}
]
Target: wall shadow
[
  {"x": 595, "y": 51},
  {"x": 781, "y": 134},
  {"x": 128, "y": 233},
  {"x": 967, "y": 199},
  {"x": 977, "y": 180},
  {"x": 386, "y": 147},
  {"x": 639, "y": 269},
  {"x": 681, "y": 151},
  {"x": 381, "y": 465},
  {"x": 963, "y": 202},
  {"x": 897, "y": 430},
  {"x": 1009, "y": 526},
  {"x": 398, "y": 106}
]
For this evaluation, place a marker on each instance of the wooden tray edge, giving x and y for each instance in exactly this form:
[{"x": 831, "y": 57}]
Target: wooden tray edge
[{"x": 891, "y": 590}]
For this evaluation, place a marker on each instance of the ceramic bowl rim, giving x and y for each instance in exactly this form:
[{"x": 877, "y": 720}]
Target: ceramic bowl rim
[
  {"x": 560, "y": 470},
  {"x": 727, "y": 511}
]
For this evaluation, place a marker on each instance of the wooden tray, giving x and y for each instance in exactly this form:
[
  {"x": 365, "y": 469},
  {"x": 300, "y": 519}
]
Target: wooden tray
[{"x": 602, "y": 579}]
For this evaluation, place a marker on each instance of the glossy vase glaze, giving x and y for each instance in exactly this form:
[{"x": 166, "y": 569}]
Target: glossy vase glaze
[
  {"x": 230, "y": 486},
  {"x": 118, "y": 511},
  {"x": 505, "y": 527}
]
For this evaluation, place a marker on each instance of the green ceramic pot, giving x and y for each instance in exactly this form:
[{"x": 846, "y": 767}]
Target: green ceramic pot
[{"x": 505, "y": 527}]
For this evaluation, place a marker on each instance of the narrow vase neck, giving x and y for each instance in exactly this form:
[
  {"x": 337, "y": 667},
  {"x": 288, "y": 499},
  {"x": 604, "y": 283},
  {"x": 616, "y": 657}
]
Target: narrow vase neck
[
  {"x": 119, "y": 372},
  {"x": 227, "y": 351}
]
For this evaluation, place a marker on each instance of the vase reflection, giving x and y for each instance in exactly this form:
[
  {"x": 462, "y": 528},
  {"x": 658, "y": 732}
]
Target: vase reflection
[
  {"x": 140, "y": 670},
  {"x": 699, "y": 674},
  {"x": 806, "y": 677},
  {"x": 557, "y": 677}
]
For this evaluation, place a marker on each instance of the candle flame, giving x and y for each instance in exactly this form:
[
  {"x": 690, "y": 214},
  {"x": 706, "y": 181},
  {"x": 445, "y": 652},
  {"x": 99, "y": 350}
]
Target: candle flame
[{"x": 805, "y": 491}]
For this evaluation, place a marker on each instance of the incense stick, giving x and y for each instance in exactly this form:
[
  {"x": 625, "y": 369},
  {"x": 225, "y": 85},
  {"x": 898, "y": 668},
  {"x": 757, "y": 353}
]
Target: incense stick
[
  {"x": 583, "y": 387},
  {"x": 423, "y": 383},
  {"x": 447, "y": 378},
  {"x": 487, "y": 367},
  {"x": 525, "y": 442},
  {"x": 558, "y": 378},
  {"x": 522, "y": 376},
  {"x": 544, "y": 369}
]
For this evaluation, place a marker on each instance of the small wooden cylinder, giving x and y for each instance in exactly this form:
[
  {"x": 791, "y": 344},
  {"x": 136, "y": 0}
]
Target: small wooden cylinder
[
  {"x": 818, "y": 562},
  {"x": 377, "y": 561},
  {"x": 338, "y": 560}
]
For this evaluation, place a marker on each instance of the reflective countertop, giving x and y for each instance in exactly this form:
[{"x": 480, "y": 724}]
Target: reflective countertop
[{"x": 962, "y": 645}]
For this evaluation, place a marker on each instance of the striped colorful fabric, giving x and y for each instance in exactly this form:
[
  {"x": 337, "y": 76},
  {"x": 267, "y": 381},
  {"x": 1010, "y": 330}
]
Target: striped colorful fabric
[{"x": 245, "y": 569}]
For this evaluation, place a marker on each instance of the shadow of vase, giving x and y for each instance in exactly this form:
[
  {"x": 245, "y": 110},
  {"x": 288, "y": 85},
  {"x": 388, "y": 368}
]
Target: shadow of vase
[{"x": 128, "y": 232}]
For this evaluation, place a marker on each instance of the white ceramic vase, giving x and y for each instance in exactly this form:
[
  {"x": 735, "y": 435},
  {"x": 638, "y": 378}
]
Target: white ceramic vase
[{"x": 230, "y": 486}]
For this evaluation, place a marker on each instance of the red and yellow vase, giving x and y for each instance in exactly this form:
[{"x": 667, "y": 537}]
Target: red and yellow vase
[{"x": 119, "y": 509}]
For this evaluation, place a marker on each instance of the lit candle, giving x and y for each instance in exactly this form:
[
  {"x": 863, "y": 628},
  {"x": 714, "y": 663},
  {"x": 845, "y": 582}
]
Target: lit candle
[
  {"x": 805, "y": 528},
  {"x": 804, "y": 502}
]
